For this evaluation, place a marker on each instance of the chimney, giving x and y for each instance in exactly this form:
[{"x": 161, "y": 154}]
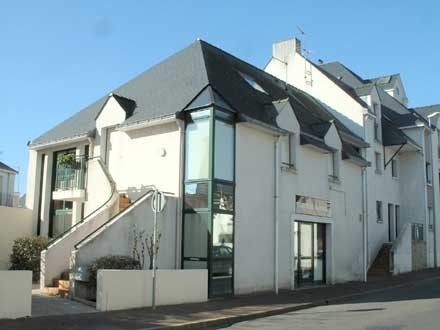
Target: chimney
[{"x": 283, "y": 49}]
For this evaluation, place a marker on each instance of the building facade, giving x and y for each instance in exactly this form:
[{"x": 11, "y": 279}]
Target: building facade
[{"x": 269, "y": 185}]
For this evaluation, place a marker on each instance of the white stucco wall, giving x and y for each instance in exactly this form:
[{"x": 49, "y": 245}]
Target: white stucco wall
[
  {"x": 402, "y": 252},
  {"x": 172, "y": 287},
  {"x": 254, "y": 224},
  {"x": 15, "y": 223},
  {"x": 15, "y": 293},
  {"x": 146, "y": 156},
  {"x": 140, "y": 218},
  {"x": 344, "y": 259}
]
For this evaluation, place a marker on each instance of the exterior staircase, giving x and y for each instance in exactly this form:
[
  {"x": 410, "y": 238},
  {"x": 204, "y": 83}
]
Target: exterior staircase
[
  {"x": 381, "y": 266},
  {"x": 61, "y": 287}
]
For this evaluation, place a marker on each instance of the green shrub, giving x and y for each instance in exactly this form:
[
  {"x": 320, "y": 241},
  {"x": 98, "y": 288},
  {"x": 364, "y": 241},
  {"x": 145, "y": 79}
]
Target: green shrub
[
  {"x": 111, "y": 262},
  {"x": 26, "y": 253}
]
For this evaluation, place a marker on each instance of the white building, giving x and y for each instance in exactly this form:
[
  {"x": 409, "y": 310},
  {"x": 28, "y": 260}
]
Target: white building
[
  {"x": 269, "y": 184},
  {"x": 402, "y": 184},
  {"x": 7, "y": 181}
]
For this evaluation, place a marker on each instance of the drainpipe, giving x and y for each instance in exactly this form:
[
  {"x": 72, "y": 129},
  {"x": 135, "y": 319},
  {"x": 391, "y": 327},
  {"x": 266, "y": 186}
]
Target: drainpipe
[
  {"x": 181, "y": 126},
  {"x": 365, "y": 223},
  {"x": 276, "y": 192},
  {"x": 91, "y": 147},
  {"x": 365, "y": 202},
  {"x": 433, "y": 187}
]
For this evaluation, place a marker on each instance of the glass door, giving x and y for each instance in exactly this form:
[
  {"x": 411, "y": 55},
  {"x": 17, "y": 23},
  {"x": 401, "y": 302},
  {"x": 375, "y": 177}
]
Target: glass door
[
  {"x": 309, "y": 253},
  {"x": 61, "y": 219}
]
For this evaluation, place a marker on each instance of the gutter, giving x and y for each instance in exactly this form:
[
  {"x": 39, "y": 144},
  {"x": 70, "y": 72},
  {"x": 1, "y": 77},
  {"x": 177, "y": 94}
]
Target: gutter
[
  {"x": 148, "y": 123},
  {"x": 79, "y": 138},
  {"x": 265, "y": 127}
]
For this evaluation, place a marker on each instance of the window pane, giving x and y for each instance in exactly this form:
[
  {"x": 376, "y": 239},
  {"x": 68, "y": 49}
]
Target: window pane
[
  {"x": 191, "y": 264},
  {"x": 222, "y": 254},
  {"x": 224, "y": 151},
  {"x": 196, "y": 235},
  {"x": 196, "y": 195},
  {"x": 223, "y": 232},
  {"x": 197, "y": 150},
  {"x": 223, "y": 197}
]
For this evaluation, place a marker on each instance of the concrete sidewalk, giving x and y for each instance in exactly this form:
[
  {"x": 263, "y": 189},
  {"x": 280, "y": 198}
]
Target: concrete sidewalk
[{"x": 218, "y": 312}]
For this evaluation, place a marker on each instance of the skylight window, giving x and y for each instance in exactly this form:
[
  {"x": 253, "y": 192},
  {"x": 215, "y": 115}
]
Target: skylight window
[{"x": 253, "y": 83}]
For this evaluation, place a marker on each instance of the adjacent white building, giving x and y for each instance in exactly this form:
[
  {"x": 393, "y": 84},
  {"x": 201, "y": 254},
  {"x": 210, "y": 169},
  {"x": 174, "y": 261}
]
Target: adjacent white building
[
  {"x": 401, "y": 186},
  {"x": 7, "y": 185},
  {"x": 270, "y": 185}
]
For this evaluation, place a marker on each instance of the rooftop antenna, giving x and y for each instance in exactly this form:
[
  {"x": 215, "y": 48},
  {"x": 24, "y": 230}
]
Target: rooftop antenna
[{"x": 305, "y": 52}]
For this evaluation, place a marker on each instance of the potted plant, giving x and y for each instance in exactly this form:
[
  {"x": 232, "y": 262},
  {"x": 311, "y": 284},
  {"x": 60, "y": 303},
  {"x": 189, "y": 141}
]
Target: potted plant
[{"x": 68, "y": 160}]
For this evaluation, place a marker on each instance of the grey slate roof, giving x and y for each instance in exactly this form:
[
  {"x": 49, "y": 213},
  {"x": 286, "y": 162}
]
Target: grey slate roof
[
  {"x": 386, "y": 82},
  {"x": 394, "y": 114},
  {"x": 5, "y": 167},
  {"x": 172, "y": 85},
  {"x": 427, "y": 110}
]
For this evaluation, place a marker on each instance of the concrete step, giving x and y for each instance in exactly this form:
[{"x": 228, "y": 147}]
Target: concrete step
[{"x": 50, "y": 291}]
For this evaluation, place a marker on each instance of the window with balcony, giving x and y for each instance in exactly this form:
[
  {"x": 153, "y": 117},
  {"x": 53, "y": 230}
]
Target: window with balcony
[
  {"x": 69, "y": 170},
  {"x": 288, "y": 153},
  {"x": 333, "y": 165}
]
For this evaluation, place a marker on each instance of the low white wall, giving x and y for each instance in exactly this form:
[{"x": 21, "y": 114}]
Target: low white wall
[
  {"x": 15, "y": 223},
  {"x": 124, "y": 289},
  {"x": 15, "y": 293},
  {"x": 402, "y": 251}
]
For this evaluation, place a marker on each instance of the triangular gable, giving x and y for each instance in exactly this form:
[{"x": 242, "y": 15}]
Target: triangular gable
[
  {"x": 114, "y": 111},
  {"x": 207, "y": 97}
]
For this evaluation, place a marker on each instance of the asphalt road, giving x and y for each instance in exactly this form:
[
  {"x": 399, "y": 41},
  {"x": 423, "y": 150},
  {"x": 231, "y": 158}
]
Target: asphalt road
[{"x": 415, "y": 307}]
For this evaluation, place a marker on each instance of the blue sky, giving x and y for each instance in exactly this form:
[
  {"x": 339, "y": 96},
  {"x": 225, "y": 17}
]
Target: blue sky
[{"x": 56, "y": 57}]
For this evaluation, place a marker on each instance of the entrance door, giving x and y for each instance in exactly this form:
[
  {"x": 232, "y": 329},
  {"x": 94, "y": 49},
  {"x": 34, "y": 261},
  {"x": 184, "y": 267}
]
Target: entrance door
[{"x": 309, "y": 253}]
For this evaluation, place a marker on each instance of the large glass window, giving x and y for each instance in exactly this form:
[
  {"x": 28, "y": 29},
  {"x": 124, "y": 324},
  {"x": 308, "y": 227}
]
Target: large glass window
[
  {"x": 197, "y": 150},
  {"x": 224, "y": 151},
  {"x": 208, "y": 228}
]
